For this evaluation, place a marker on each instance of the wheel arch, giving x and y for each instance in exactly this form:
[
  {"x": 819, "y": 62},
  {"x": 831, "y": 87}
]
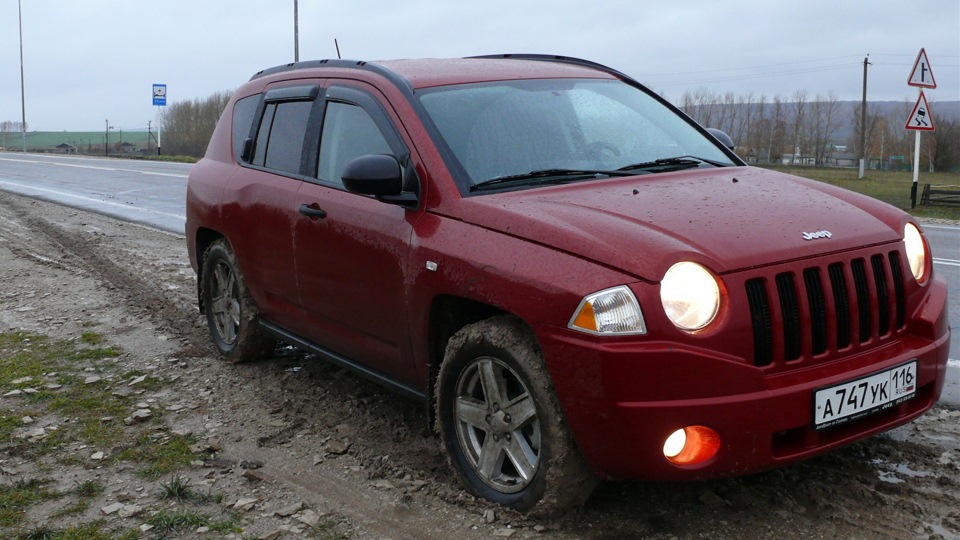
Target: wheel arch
[
  {"x": 448, "y": 314},
  {"x": 202, "y": 240}
]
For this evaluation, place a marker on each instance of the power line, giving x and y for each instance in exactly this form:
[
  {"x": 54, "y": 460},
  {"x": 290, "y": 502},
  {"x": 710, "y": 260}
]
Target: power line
[
  {"x": 761, "y": 66},
  {"x": 756, "y": 75}
]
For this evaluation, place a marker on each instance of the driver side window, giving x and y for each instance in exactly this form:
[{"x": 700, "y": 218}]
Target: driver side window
[{"x": 348, "y": 133}]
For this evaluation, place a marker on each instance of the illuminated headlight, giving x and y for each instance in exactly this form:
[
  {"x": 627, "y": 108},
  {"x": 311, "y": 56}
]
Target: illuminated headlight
[
  {"x": 611, "y": 312},
  {"x": 916, "y": 251},
  {"x": 690, "y": 296}
]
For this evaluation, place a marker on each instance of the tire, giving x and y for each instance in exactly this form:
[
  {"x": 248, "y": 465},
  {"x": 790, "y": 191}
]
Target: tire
[
  {"x": 232, "y": 317},
  {"x": 501, "y": 424}
]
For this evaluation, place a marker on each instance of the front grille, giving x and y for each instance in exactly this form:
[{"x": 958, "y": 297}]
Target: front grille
[{"x": 794, "y": 318}]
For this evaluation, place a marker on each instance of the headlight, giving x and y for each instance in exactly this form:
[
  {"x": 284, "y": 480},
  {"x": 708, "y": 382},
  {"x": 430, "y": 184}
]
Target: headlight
[
  {"x": 610, "y": 312},
  {"x": 916, "y": 251},
  {"x": 690, "y": 296}
]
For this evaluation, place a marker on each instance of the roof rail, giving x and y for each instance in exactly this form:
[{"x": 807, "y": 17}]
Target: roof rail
[
  {"x": 392, "y": 76},
  {"x": 308, "y": 65},
  {"x": 563, "y": 60}
]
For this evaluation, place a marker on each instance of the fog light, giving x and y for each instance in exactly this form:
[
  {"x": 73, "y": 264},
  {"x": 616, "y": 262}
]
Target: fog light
[{"x": 691, "y": 445}]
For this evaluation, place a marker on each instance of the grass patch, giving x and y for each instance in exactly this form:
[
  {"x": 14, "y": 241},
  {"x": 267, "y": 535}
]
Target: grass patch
[
  {"x": 50, "y": 369},
  {"x": 86, "y": 413},
  {"x": 161, "y": 457},
  {"x": 88, "y": 531},
  {"x": 150, "y": 383},
  {"x": 180, "y": 522},
  {"x": 17, "y": 497},
  {"x": 86, "y": 492},
  {"x": 177, "y": 522},
  {"x": 91, "y": 338},
  {"x": 88, "y": 489},
  {"x": 891, "y": 187},
  {"x": 8, "y": 424},
  {"x": 99, "y": 353},
  {"x": 178, "y": 489}
]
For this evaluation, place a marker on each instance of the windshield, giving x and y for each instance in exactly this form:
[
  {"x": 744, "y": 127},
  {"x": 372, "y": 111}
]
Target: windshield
[{"x": 512, "y": 129}]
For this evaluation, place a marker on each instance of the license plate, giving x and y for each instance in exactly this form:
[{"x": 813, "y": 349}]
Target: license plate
[{"x": 855, "y": 399}]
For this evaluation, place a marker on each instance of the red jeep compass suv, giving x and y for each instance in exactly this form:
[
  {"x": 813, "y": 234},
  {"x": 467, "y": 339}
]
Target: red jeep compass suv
[{"x": 578, "y": 280}]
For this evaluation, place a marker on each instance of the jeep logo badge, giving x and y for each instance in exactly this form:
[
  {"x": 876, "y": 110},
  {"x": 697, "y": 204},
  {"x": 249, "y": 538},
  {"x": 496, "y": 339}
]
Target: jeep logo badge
[{"x": 815, "y": 235}]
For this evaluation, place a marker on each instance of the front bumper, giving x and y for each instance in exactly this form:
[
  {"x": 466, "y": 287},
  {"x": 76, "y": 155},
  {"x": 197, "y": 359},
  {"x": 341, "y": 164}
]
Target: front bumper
[{"x": 622, "y": 399}]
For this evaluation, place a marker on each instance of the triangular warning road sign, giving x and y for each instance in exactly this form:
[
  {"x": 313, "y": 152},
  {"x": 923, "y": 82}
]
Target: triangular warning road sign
[
  {"x": 922, "y": 74},
  {"x": 920, "y": 119}
]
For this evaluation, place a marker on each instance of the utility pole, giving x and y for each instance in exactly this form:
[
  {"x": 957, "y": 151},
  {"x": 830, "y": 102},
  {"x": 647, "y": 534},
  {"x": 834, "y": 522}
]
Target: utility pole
[
  {"x": 296, "y": 32},
  {"x": 23, "y": 98},
  {"x": 863, "y": 120}
]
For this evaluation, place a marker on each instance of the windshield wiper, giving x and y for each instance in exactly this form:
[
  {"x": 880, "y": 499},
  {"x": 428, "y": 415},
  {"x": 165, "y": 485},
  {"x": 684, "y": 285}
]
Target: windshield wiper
[
  {"x": 679, "y": 162},
  {"x": 546, "y": 176}
]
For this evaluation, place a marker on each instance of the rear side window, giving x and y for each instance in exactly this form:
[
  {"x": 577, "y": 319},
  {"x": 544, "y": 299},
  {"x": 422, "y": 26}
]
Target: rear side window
[
  {"x": 282, "y": 129},
  {"x": 285, "y": 145},
  {"x": 280, "y": 139},
  {"x": 348, "y": 133},
  {"x": 244, "y": 111}
]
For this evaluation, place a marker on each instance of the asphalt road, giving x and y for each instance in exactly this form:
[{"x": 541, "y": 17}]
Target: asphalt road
[
  {"x": 152, "y": 193},
  {"x": 148, "y": 192}
]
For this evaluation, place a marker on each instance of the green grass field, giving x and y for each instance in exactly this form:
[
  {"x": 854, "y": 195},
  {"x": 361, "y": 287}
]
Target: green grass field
[
  {"x": 50, "y": 139},
  {"x": 890, "y": 187}
]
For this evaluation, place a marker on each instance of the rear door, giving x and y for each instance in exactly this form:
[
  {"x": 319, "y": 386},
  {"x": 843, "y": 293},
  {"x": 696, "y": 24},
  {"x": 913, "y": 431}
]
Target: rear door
[{"x": 259, "y": 205}]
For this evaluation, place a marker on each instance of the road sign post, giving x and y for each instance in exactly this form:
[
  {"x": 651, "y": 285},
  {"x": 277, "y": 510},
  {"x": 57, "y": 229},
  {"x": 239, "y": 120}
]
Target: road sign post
[
  {"x": 159, "y": 100},
  {"x": 920, "y": 119}
]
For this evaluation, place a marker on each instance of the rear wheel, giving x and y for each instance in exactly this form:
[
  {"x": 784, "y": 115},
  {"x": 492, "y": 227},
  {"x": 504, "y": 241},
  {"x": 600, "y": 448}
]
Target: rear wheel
[
  {"x": 501, "y": 423},
  {"x": 232, "y": 317}
]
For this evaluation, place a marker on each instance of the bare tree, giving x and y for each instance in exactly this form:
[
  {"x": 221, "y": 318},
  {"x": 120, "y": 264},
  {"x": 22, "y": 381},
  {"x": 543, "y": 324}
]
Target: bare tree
[
  {"x": 188, "y": 125},
  {"x": 799, "y": 109},
  {"x": 778, "y": 130},
  {"x": 821, "y": 125}
]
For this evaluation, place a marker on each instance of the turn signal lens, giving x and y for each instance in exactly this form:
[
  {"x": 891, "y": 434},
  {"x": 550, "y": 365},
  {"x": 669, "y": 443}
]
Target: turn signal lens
[
  {"x": 611, "y": 312},
  {"x": 691, "y": 445},
  {"x": 916, "y": 251}
]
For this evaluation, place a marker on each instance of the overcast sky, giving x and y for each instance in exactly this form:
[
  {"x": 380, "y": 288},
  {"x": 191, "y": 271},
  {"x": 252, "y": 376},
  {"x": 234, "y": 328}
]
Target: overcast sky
[{"x": 86, "y": 62}]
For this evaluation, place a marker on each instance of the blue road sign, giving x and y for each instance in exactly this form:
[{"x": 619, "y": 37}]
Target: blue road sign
[{"x": 160, "y": 95}]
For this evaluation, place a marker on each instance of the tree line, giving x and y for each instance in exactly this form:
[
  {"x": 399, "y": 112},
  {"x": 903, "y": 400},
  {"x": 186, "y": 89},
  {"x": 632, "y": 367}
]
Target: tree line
[
  {"x": 799, "y": 129},
  {"x": 7, "y": 128}
]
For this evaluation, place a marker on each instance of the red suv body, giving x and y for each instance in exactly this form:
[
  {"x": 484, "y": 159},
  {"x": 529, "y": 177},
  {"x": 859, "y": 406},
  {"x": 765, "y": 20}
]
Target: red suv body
[{"x": 578, "y": 279}]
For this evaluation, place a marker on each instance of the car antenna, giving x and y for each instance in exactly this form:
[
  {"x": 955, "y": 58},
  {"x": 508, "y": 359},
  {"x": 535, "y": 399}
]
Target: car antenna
[{"x": 337, "y": 45}]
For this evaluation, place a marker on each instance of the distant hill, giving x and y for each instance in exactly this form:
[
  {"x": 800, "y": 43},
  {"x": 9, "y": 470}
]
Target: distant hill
[{"x": 893, "y": 109}]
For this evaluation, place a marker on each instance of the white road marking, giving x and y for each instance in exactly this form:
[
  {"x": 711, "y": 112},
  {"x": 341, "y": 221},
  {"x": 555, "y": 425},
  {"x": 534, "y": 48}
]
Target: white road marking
[
  {"x": 946, "y": 262},
  {"x": 112, "y": 169}
]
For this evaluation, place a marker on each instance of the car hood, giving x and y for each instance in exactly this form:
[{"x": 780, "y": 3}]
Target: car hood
[{"x": 726, "y": 219}]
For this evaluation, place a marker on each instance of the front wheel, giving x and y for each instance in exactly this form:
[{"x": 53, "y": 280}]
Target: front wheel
[
  {"x": 232, "y": 317},
  {"x": 502, "y": 425}
]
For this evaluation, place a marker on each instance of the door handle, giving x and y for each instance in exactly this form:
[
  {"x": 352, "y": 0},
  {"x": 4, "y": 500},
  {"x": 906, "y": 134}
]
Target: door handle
[{"x": 312, "y": 211}]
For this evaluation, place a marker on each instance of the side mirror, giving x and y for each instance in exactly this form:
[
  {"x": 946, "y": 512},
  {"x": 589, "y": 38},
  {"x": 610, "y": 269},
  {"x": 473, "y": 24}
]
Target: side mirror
[
  {"x": 377, "y": 175},
  {"x": 722, "y": 137},
  {"x": 382, "y": 177}
]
